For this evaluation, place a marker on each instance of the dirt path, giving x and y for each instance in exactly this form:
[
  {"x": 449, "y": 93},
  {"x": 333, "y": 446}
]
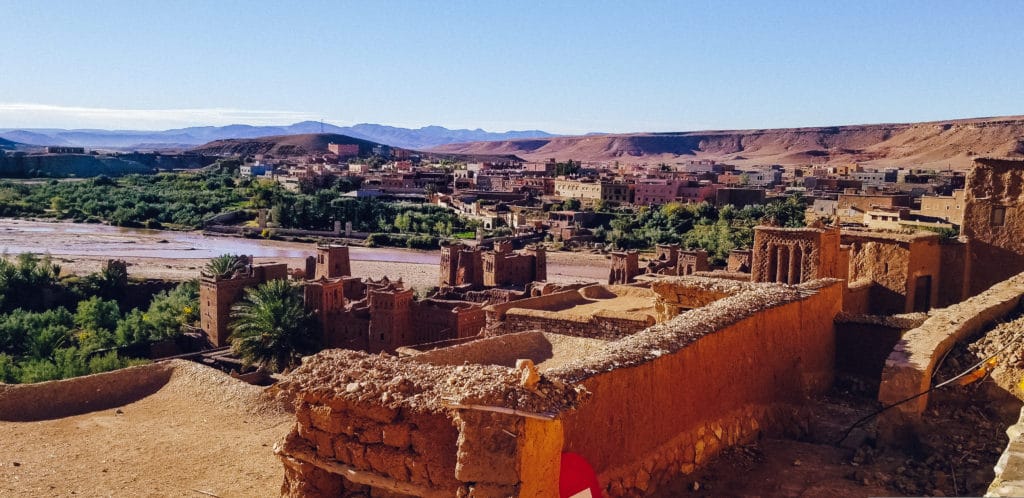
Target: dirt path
[{"x": 198, "y": 433}]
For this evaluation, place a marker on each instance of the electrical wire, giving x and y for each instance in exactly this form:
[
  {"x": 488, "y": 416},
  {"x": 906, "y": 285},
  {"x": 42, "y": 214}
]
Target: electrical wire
[{"x": 940, "y": 385}]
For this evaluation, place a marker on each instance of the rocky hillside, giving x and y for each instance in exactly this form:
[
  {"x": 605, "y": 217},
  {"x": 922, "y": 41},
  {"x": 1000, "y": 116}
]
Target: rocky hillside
[
  {"x": 7, "y": 144},
  {"x": 939, "y": 144},
  {"x": 282, "y": 145},
  {"x": 300, "y": 145}
]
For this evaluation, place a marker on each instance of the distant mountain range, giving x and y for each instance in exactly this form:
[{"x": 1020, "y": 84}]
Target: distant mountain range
[
  {"x": 183, "y": 138},
  {"x": 936, "y": 145}
]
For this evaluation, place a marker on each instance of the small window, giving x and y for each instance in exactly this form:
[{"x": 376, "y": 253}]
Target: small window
[{"x": 998, "y": 216}]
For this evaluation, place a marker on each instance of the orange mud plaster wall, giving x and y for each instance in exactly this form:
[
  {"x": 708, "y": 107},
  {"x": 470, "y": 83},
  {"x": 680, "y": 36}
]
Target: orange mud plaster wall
[{"x": 645, "y": 423}]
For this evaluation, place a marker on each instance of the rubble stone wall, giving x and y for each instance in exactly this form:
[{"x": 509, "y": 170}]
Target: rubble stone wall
[
  {"x": 380, "y": 426},
  {"x": 413, "y": 448},
  {"x": 739, "y": 369},
  {"x": 908, "y": 369},
  {"x": 1009, "y": 480},
  {"x": 597, "y": 326}
]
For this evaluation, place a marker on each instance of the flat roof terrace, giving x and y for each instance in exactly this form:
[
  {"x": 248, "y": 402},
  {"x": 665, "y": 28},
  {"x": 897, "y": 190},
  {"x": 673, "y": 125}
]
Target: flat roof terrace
[{"x": 596, "y": 311}]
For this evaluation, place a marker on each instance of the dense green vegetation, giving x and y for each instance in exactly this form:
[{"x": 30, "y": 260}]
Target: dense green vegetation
[
  {"x": 177, "y": 200},
  {"x": 41, "y": 338},
  {"x": 271, "y": 328},
  {"x": 185, "y": 200},
  {"x": 701, "y": 226}
]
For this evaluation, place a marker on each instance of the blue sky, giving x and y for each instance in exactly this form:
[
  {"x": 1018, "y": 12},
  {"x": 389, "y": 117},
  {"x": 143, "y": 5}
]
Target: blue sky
[{"x": 564, "y": 67}]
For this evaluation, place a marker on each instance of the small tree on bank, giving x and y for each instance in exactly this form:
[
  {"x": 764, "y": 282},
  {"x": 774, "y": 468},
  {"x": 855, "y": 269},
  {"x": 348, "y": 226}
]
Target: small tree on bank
[{"x": 271, "y": 328}]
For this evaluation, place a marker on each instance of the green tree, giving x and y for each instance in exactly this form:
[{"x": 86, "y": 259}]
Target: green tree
[
  {"x": 224, "y": 265},
  {"x": 9, "y": 372},
  {"x": 96, "y": 314},
  {"x": 271, "y": 328}
]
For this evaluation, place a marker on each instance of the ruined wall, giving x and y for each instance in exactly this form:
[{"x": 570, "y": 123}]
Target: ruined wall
[
  {"x": 857, "y": 298},
  {"x": 690, "y": 262},
  {"x": 371, "y": 425},
  {"x": 953, "y": 287},
  {"x": 678, "y": 295},
  {"x": 739, "y": 261},
  {"x": 625, "y": 267},
  {"x": 401, "y": 445},
  {"x": 598, "y": 326},
  {"x": 676, "y": 394},
  {"x": 905, "y": 269},
  {"x": 63, "y": 398},
  {"x": 439, "y": 320},
  {"x": 794, "y": 255},
  {"x": 994, "y": 221},
  {"x": 908, "y": 369},
  {"x": 885, "y": 264}
]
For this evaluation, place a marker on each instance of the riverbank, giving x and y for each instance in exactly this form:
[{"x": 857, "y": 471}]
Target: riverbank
[{"x": 171, "y": 255}]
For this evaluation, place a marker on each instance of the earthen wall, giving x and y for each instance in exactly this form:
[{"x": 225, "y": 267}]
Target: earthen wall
[
  {"x": 994, "y": 221},
  {"x": 648, "y": 421},
  {"x": 680, "y": 408},
  {"x": 908, "y": 369},
  {"x": 625, "y": 267},
  {"x": 596, "y": 327},
  {"x": 739, "y": 261}
]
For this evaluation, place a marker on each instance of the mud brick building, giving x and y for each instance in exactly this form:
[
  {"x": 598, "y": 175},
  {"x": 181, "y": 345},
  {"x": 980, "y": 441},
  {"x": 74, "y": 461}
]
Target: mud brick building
[
  {"x": 475, "y": 268},
  {"x": 625, "y": 267},
  {"x": 691, "y": 262},
  {"x": 217, "y": 293},
  {"x": 994, "y": 221},
  {"x": 739, "y": 261},
  {"x": 795, "y": 255},
  {"x": 492, "y": 417}
]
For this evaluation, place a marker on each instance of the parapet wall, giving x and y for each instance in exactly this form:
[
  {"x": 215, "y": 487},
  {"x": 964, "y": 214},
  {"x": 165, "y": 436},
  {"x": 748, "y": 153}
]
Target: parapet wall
[
  {"x": 407, "y": 428},
  {"x": 640, "y": 409},
  {"x": 609, "y": 326},
  {"x": 62, "y": 398},
  {"x": 908, "y": 370},
  {"x": 668, "y": 398}
]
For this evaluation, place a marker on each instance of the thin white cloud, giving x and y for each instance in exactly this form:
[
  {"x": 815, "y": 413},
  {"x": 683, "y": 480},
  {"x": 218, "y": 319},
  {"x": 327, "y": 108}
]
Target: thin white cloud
[{"x": 31, "y": 115}]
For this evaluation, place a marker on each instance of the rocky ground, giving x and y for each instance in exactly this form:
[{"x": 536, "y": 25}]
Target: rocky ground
[{"x": 955, "y": 457}]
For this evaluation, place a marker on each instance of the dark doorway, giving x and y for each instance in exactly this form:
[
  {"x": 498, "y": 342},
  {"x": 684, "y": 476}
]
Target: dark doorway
[{"x": 923, "y": 293}]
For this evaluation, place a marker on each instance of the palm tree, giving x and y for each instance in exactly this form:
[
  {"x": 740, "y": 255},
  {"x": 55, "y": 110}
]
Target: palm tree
[
  {"x": 271, "y": 328},
  {"x": 225, "y": 265}
]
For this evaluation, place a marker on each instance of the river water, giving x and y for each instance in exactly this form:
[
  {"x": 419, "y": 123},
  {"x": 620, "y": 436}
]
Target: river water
[{"x": 74, "y": 239}]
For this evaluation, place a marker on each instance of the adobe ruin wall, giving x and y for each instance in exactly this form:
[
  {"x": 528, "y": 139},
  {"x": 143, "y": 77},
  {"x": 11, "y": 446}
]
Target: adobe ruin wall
[
  {"x": 681, "y": 391},
  {"x": 908, "y": 369},
  {"x": 660, "y": 402},
  {"x": 62, "y": 398},
  {"x": 405, "y": 428},
  {"x": 607, "y": 326}
]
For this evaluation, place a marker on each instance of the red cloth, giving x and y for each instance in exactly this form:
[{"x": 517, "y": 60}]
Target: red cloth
[{"x": 576, "y": 477}]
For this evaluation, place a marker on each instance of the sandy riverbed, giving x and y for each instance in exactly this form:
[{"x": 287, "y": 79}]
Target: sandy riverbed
[{"x": 81, "y": 249}]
